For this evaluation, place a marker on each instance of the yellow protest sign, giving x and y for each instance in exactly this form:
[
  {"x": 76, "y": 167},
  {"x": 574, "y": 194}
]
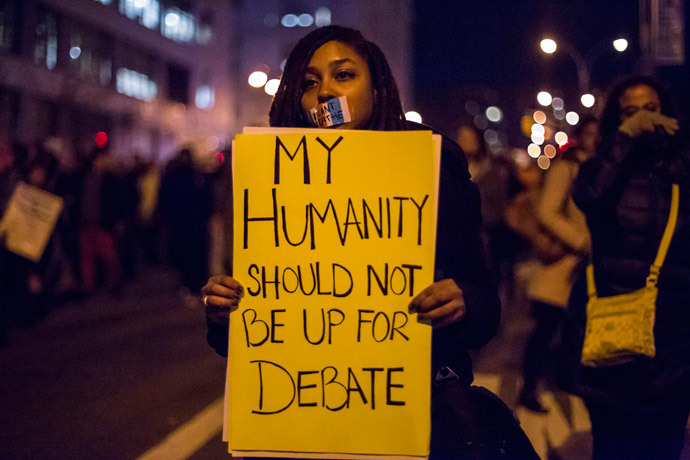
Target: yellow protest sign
[
  {"x": 334, "y": 234},
  {"x": 29, "y": 220}
]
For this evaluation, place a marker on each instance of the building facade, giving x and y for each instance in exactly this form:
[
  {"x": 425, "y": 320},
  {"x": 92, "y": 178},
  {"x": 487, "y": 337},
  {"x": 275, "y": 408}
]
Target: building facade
[
  {"x": 151, "y": 74},
  {"x": 158, "y": 74}
]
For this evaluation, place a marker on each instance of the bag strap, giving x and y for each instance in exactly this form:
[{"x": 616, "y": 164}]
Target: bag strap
[
  {"x": 654, "y": 269},
  {"x": 666, "y": 239}
]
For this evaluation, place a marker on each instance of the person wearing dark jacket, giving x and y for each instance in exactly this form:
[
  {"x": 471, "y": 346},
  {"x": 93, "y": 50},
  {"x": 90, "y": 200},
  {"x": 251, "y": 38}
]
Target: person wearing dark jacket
[
  {"x": 461, "y": 304},
  {"x": 100, "y": 217},
  {"x": 638, "y": 409}
]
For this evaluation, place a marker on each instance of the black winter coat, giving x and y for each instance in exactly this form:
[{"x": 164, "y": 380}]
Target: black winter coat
[{"x": 625, "y": 193}]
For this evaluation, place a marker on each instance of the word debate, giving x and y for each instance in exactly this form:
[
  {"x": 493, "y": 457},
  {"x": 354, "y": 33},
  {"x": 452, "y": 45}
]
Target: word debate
[{"x": 334, "y": 235}]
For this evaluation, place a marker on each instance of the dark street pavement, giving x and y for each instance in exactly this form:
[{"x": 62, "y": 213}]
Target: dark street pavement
[{"x": 107, "y": 378}]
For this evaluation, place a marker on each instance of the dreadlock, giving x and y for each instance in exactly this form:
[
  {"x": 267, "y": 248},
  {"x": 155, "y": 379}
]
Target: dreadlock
[{"x": 287, "y": 111}]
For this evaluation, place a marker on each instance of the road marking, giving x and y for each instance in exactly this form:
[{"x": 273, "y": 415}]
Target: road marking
[
  {"x": 545, "y": 431},
  {"x": 189, "y": 437}
]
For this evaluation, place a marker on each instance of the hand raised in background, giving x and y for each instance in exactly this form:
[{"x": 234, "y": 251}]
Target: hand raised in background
[{"x": 644, "y": 121}]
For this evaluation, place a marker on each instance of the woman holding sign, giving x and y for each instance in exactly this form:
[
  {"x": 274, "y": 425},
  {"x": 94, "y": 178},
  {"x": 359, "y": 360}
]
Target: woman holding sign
[{"x": 334, "y": 77}]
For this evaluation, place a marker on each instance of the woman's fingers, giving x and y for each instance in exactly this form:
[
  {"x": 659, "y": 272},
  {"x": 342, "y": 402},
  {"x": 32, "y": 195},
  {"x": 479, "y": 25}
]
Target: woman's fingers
[
  {"x": 440, "y": 304},
  {"x": 444, "y": 314},
  {"x": 670, "y": 125},
  {"x": 647, "y": 121},
  {"x": 222, "y": 291}
]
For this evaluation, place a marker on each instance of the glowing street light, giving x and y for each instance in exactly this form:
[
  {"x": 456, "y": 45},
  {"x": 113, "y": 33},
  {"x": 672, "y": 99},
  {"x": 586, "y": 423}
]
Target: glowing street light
[
  {"x": 413, "y": 116},
  {"x": 534, "y": 150},
  {"x": 560, "y": 137},
  {"x": 572, "y": 118},
  {"x": 583, "y": 64},
  {"x": 587, "y": 100},
  {"x": 271, "y": 87},
  {"x": 620, "y": 44},
  {"x": 257, "y": 79},
  {"x": 494, "y": 114},
  {"x": 539, "y": 117},
  {"x": 548, "y": 46},
  {"x": 544, "y": 98}
]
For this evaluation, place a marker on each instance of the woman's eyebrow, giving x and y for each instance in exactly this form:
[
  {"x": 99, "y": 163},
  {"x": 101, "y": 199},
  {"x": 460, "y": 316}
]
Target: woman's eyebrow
[
  {"x": 338, "y": 62},
  {"x": 313, "y": 70}
]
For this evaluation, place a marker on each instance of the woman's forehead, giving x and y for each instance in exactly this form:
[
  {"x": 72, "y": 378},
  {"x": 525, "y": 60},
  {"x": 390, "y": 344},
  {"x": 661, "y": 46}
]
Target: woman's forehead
[
  {"x": 638, "y": 95},
  {"x": 333, "y": 52}
]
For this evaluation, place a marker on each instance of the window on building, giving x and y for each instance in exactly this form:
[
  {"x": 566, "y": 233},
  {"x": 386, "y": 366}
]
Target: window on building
[
  {"x": 147, "y": 12},
  {"x": 205, "y": 97},
  {"x": 90, "y": 55},
  {"x": 46, "y": 39},
  {"x": 178, "y": 25},
  {"x": 178, "y": 83},
  {"x": 9, "y": 22},
  {"x": 134, "y": 77},
  {"x": 134, "y": 84},
  {"x": 105, "y": 2},
  {"x": 204, "y": 31}
]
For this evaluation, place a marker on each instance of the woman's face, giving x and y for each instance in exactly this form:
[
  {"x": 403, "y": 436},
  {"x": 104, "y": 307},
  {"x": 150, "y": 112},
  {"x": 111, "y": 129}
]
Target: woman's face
[
  {"x": 638, "y": 98},
  {"x": 337, "y": 70},
  {"x": 588, "y": 137},
  {"x": 468, "y": 140},
  {"x": 37, "y": 176}
]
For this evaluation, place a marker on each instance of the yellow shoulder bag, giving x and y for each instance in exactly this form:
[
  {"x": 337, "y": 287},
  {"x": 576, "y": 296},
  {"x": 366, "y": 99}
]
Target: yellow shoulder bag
[{"x": 621, "y": 327}]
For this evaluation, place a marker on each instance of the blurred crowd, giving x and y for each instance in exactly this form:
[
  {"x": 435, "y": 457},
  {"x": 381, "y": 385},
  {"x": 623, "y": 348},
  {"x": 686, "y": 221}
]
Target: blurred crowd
[
  {"x": 118, "y": 217},
  {"x": 602, "y": 223}
]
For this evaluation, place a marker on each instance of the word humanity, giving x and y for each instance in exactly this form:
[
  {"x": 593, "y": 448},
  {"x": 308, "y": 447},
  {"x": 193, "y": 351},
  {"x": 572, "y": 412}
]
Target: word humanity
[{"x": 370, "y": 216}]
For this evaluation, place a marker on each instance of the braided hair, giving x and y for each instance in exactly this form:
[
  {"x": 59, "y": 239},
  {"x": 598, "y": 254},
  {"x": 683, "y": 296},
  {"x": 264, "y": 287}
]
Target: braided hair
[{"x": 286, "y": 110}]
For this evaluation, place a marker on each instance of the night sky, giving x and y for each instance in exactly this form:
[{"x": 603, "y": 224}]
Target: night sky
[{"x": 489, "y": 51}]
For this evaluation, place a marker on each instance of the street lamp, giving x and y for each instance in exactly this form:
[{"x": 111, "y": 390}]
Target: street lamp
[{"x": 582, "y": 63}]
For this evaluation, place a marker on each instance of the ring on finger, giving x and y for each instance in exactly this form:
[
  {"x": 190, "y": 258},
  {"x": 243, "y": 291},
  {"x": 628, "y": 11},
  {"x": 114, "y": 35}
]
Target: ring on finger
[{"x": 206, "y": 300}]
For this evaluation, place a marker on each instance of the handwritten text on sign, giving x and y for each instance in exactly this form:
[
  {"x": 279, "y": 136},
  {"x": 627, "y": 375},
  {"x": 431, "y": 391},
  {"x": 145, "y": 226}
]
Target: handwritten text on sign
[{"x": 334, "y": 235}]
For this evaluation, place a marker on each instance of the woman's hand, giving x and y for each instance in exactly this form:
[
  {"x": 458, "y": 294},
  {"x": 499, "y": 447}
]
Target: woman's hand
[
  {"x": 221, "y": 296},
  {"x": 440, "y": 304},
  {"x": 646, "y": 121}
]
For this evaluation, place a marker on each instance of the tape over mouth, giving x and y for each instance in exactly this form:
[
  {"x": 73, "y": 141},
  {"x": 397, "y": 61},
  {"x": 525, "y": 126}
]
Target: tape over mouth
[{"x": 333, "y": 112}]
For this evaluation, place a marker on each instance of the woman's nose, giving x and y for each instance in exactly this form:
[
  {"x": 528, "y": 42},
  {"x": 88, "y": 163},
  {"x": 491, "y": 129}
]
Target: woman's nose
[{"x": 326, "y": 91}]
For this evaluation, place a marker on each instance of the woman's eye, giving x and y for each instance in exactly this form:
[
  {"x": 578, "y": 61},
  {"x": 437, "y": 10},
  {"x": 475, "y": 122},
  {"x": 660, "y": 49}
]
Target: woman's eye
[
  {"x": 309, "y": 83},
  {"x": 344, "y": 75},
  {"x": 629, "y": 112}
]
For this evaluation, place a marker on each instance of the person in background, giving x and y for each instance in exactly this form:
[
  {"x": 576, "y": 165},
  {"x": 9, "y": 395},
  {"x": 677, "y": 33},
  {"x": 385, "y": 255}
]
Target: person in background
[
  {"x": 36, "y": 281},
  {"x": 67, "y": 186},
  {"x": 493, "y": 177},
  {"x": 9, "y": 178},
  {"x": 461, "y": 304},
  {"x": 520, "y": 218},
  {"x": 639, "y": 409},
  {"x": 100, "y": 218},
  {"x": 185, "y": 205},
  {"x": 549, "y": 286},
  {"x": 148, "y": 186}
]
